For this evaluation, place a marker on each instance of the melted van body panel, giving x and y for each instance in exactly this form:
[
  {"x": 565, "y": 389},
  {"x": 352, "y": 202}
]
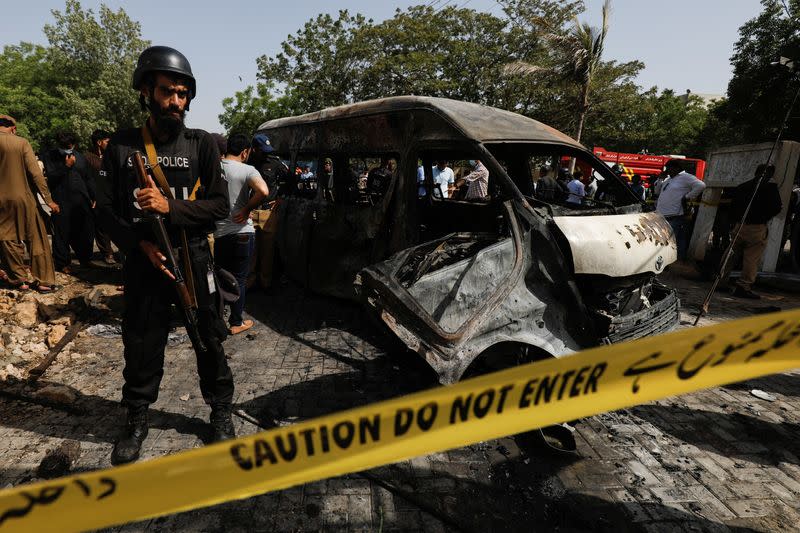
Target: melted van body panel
[{"x": 619, "y": 245}]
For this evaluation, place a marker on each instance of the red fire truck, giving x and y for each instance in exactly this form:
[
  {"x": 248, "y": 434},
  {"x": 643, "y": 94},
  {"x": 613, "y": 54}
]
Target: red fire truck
[{"x": 647, "y": 165}]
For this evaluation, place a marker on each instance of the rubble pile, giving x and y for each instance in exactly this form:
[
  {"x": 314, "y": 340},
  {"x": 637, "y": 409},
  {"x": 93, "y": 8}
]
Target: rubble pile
[{"x": 31, "y": 324}]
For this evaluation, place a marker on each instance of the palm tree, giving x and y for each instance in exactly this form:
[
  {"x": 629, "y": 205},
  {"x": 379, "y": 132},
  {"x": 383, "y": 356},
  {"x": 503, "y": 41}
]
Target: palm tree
[{"x": 577, "y": 53}]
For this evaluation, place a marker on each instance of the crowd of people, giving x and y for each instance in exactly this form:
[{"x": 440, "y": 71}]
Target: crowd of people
[
  {"x": 473, "y": 185},
  {"x": 57, "y": 188},
  {"x": 562, "y": 185}
]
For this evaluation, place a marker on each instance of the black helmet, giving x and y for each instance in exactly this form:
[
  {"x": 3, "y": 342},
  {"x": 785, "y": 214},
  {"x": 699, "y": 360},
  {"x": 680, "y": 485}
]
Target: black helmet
[{"x": 163, "y": 59}]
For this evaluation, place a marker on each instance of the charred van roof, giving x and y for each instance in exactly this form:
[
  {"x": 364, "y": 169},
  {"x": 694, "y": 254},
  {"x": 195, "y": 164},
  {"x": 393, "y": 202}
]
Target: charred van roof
[{"x": 474, "y": 121}]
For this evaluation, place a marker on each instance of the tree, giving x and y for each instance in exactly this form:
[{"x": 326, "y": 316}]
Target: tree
[
  {"x": 332, "y": 62},
  {"x": 28, "y": 93},
  {"x": 759, "y": 92},
  {"x": 576, "y": 56},
  {"x": 336, "y": 61},
  {"x": 321, "y": 64},
  {"x": 717, "y": 131},
  {"x": 248, "y": 109},
  {"x": 414, "y": 56},
  {"x": 94, "y": 57},
  {"x": 462, "y": 54},
  {"x": 619, "y": 112},
  {"x": 81, "y": 81},
  {"x": 557, "y": 13},
  {"x": 675, "y": 123}
]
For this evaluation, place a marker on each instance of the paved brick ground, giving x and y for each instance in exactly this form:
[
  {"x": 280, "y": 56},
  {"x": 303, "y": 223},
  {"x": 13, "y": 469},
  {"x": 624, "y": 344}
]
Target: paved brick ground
[{"x": 711, "y": 461}]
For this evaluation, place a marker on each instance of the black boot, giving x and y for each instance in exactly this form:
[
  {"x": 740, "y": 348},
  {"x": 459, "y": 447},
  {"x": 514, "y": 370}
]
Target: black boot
[
  {"x": 127, "y": 447},
  {"x": 741, "y": 292},
  {"x": 221, "y": 423}
]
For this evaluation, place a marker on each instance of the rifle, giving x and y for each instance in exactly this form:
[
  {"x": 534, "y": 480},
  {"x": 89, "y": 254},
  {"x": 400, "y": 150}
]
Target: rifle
[{"x": 165, "y": 245}]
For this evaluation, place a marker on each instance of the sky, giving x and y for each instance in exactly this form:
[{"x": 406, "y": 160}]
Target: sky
[{"x": 684, "y": 44}]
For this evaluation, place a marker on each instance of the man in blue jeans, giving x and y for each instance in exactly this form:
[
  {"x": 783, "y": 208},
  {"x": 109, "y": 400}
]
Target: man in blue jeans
[{"x": 234, "y": 239}]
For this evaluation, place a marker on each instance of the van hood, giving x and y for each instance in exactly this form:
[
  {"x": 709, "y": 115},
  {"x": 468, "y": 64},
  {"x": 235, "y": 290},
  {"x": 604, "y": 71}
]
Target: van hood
[{"x": 619, "y": 245}]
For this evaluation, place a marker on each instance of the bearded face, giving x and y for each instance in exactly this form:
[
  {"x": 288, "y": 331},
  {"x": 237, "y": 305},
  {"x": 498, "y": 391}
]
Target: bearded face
[
  {"x": 169, "y": 119},
  {"x": 168, "y": 102}
]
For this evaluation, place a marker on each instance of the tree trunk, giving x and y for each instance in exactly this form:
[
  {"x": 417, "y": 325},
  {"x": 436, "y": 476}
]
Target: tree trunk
[{"x": 583, "y": 108}]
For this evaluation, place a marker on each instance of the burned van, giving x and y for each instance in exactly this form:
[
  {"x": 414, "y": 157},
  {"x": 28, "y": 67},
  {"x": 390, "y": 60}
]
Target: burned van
[{"x": 492, "y": 254}]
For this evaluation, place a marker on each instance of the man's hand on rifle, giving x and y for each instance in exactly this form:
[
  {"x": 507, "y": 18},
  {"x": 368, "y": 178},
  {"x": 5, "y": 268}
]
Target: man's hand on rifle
[
  {"x": 157, "y": 259},
  {"x": 151, "y": 199}
]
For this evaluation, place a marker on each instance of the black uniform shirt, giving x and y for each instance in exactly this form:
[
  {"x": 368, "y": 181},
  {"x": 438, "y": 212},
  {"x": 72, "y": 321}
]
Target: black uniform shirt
[
  {"x": 766, "y": 204},
  {"x": 191, "y": 164},
  {"x": 68, "y": 184},
  {"x": 550, "y": 190}
]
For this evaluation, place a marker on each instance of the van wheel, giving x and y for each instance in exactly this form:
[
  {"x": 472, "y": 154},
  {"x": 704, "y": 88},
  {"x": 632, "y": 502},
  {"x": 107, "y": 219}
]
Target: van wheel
[
  {"x": 502, "y": 356},
  {"x": 552, "y": 439}
]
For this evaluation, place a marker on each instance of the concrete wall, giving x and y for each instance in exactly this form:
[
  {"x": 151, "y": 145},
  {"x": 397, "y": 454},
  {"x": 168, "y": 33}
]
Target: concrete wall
[{"x": 731, "y": 166}]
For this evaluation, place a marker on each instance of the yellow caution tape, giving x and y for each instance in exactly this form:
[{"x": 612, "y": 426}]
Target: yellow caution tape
[{"x": 503, "y": 403}]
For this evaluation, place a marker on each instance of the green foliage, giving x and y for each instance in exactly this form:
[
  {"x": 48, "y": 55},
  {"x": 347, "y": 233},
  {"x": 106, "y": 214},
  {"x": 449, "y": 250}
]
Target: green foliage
[
  {"x": 463, "y": 54},
  {"x": 574, "y": 55},
  {"x": 248, "y": 109},
  {"x": 557, "y": 13},
  {"x": 450, "y": 52},
  {"x": 27, "y": 91},
  {"x": 717, "y": 131},
  {"x": 619, "y": 109},
  {"x": 759, "y": 93},
  {"x": 321, "y": 64},
  {"x": 675, "y": 123},
  {"x": 80, "y": 82}
]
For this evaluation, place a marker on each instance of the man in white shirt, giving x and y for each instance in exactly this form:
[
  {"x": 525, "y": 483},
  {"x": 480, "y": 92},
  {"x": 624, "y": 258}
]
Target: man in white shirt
[
  {"x": 443, "y": 178},
  {"x": 478, "y": 181},
  {"x": 677, "y": 189},
  {"x": 576, "y": 190},
  {"x": 234, "y": 239},
  {"x": 306, "y": 174}
]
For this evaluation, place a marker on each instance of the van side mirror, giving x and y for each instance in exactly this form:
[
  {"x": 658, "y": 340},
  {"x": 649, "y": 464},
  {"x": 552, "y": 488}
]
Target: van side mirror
[{"x": 437, "y": 192}]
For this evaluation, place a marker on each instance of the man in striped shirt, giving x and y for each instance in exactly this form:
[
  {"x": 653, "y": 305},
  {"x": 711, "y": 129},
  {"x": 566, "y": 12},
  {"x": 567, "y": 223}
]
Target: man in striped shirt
[{"x": 477, "y": 181}]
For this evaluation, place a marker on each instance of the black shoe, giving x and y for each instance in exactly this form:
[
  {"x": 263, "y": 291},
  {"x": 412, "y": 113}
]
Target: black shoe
[
  {"x": 127, "y": 447},
  {"x": 739, "y": 292},
  {"x": 221, "y": 423}
]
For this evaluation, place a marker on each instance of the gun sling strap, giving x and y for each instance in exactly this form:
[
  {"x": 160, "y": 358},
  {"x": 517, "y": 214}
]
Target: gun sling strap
[{"x": 161, "y": 179}]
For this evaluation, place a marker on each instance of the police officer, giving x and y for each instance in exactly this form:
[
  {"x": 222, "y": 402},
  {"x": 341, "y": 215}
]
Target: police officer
[
  {"x": 189, "y": 159},
  {"x": 73, "y": 188}
]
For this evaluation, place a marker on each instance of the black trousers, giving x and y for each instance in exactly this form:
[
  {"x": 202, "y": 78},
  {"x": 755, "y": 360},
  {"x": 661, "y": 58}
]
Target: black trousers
[
  {"x": 145, "y": 328},
  {"x": 102, "y": 238},
  {"x": 73, "y": 226}
]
